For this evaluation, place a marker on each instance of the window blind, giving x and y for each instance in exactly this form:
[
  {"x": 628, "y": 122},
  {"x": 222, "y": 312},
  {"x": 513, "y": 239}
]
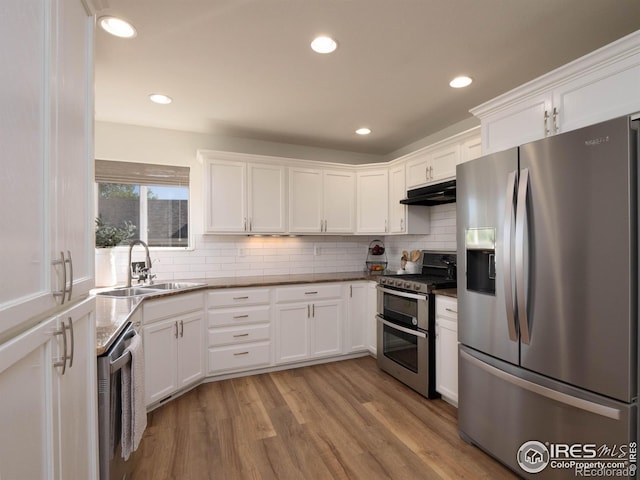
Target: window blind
[{"x": 107, "y": 171}]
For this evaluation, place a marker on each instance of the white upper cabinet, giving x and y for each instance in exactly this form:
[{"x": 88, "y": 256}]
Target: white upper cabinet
[
  {"x": 413, "y": 219},
  {"x": 525, "y": 122},
  {"x": 397, "y": 191},
  {"x": 471, "y": 148},
  {"x": 226, "y": 198},
  {"x": 373, "y": 201},
  {"x": 437, "y": 163},
  {"x": 266, "y": 198},
  {"x": 73, "y": 150},
  {"x": 417, "y": 170},
  {"x": 599, "y": 86},
  {"x": 46, "y": 119},
  {"x": 23, "y": 127},
  {"x": 243, "y": 197},
  {"x": 321, "y": 201},
  {"x": 433, "y": 165},
  {"x": 305, "y": 200},
  {"x": 443, "y": 163},
  {"x": 339, "y": 201}
]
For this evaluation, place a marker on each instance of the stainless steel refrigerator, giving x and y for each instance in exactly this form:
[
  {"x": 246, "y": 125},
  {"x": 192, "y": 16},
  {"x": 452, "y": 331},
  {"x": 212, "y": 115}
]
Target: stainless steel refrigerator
[{"x": 548, "y": 302}]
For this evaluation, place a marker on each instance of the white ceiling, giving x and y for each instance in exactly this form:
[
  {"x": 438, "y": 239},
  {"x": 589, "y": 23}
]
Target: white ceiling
[{"x": 243, "y": 68}]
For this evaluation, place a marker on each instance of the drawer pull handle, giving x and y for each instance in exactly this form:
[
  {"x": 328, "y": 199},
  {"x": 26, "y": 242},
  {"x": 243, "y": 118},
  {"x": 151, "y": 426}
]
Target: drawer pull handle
[
  {"x": 241, "y": 353},
  {"x": 452, "y": 311},
  {"x": 240, "y": 298},
  {"x": 241, "y": 316},
  {"x": 241, "y": 335},
  {"x": 310, "y": 293}
]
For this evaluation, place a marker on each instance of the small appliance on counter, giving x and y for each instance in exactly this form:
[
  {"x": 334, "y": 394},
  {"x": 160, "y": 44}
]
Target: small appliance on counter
[{"x": 376, "y": 257}]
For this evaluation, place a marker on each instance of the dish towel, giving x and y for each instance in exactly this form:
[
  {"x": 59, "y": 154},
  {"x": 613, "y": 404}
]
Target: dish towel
[{"x": 134, "y": 411}]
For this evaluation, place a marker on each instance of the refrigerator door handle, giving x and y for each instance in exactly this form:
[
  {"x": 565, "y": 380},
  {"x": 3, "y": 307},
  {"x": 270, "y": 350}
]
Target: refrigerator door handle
[
  {"x": 507, "y": 242},
  {"x": 521, "y": 217},
  {"x": 565, "y": 398}
]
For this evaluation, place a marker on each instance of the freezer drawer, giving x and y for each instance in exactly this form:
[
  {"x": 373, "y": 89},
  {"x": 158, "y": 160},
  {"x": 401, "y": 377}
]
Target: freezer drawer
[{"x": 502, "y": 407}]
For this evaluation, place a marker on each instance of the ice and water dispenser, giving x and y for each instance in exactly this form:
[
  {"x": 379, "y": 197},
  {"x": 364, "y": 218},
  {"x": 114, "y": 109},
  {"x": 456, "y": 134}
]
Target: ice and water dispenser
[{"x": 480, "y": 246}]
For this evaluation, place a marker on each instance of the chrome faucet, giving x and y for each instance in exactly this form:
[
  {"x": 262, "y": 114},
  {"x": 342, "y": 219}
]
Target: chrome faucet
[{"x": 141, "y": 274}]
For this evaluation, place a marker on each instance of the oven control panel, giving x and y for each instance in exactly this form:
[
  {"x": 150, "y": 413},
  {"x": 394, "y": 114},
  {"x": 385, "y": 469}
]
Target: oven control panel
[{"x": 404, "y": 284}]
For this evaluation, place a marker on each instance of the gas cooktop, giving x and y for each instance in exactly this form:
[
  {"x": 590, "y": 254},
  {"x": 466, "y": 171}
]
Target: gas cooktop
[{"x": 438, "y": 271}]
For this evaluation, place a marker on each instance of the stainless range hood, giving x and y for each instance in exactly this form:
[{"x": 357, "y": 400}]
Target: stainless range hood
[{"x": 438, "y": 194}]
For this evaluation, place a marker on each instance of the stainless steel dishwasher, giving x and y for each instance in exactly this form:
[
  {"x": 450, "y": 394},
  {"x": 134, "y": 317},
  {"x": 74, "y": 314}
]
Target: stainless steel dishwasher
[{"x": 112, "y": 465}]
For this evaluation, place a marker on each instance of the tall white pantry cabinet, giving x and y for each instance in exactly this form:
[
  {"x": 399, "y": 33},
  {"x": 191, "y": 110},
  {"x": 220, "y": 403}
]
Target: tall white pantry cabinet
[{"x": 47, "y": 320}]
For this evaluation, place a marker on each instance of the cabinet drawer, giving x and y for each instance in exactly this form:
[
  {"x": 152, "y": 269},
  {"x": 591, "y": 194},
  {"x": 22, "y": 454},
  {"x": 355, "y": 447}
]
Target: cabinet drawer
[
  {"x": 308, "y": 293},
  {"x": 238, "y": 357},
  {"x": 446, "y": 307},
  {"x": 155, "y": 309},
  {"x": 244, "y": 296},
  {"x": 238, "y": 316},
  {"x": 235, "y": 335}
]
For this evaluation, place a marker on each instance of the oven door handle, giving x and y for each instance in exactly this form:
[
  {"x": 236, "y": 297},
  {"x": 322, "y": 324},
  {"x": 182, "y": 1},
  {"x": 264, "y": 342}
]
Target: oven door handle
[
  {"x": 399, "y": 293},
  {"x": 415, "y": 333}
]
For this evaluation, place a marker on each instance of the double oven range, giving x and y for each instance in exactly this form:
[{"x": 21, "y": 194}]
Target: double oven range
[{"x": 406, "y": 321}]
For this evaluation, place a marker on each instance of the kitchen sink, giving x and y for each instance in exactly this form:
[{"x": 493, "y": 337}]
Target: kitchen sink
[
  {"x": 128, "y": 292},
  {"x": 172, "y": 286},
  {"x": 143, "y": 290}
]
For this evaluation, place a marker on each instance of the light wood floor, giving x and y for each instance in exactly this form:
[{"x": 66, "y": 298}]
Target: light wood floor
[{"x": 342, "y": 420}]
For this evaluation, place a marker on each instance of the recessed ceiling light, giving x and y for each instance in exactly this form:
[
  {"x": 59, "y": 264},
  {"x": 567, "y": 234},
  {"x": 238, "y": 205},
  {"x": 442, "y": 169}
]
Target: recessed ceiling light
[
  {"x": 323, "y": 44},
  {"x": 460, "y": 82},
  {"x": 161, "y": 99},
  {"x": 363, "y": 131},
  {"x": 118, "y": 27}
]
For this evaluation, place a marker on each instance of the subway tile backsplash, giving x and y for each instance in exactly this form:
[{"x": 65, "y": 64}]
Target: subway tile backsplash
[{"x": 234, "y": 256}]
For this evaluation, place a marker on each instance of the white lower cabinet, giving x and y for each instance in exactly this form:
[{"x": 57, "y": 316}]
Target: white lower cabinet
[
  {"x": 173, "y": 336},
  {"x": 447, "y": 348},
  {"x": 49, "y": 407},
  {"x": 372, "y": 321},
  {"x": 357, "y": 320},
  {"x": 239, "y": 330},
  {"x": 308, "y": 322},
  {"x": 251, "y": 328}
]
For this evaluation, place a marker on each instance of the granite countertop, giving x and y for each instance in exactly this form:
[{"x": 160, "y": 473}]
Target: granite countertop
[
  {"x": 112, "y": 314},
  {"x": 447, "y": 292}
]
